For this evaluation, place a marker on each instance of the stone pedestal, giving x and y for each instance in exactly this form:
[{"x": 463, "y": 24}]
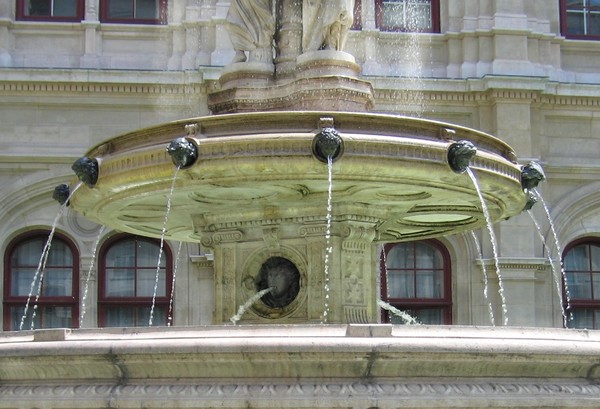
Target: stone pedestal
[
  {"x": 320, "y": 80},
  {"x": 335, "y": 283}
]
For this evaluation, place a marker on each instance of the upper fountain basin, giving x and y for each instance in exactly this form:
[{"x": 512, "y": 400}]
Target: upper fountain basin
[{"x": 260, "y": 168}]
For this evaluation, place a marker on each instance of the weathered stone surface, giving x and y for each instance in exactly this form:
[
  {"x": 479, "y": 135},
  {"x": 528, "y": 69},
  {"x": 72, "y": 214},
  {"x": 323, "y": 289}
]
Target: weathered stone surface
[{"x": 297, "y": 365}]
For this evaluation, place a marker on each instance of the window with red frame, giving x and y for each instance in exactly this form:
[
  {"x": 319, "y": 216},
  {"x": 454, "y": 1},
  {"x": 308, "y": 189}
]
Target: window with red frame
[
  {"x": 50, "y": 10},
  {"x": 53, "y": 292},
  {"x": 582, "y": 291},
  {"x": 408, "y": 15},
  {"x": 357, "y": 23},
  {"x": 416, "y": 279},
  {"x": 133, "y": 11},
  {"x": 580, "y": 19},
  {"x": 128, "y": 267}
]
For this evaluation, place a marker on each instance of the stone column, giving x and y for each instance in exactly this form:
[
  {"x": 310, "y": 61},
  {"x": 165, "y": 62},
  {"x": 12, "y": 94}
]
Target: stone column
[
  {"x": 223, "y": 52},
  {"x": 176, "y": 15},
  {"x": 5, "y": 36},
  {"x": 88, "y": 292},
  {"x": 206, "y": 34},
  {"x": 90, "y": 58},
  {"x": 358, "y": 282},
  {"x": 288, "y": 36}
]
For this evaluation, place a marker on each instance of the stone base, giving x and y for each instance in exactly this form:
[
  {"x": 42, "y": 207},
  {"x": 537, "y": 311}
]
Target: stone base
[
  {"x": 318, "y": 366},
  {"x": 324, "y": 80}
]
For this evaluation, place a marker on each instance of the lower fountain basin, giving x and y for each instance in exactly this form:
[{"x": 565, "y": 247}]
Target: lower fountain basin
[
  {"x": 259, "y": 166},
  {"x": 292, "y": 366}
]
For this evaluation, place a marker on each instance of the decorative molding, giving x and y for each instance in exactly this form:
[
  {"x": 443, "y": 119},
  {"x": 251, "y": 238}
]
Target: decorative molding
[
  {"x": 230, "y": 394},
  {"x": 104, "y": 88}
]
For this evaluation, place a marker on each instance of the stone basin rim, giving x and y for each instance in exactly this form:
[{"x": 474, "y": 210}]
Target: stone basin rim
[{"x": 302, "y": 121}]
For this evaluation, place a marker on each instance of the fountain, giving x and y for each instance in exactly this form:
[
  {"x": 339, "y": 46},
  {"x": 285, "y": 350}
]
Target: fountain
[{"x": 295, "y": 247}]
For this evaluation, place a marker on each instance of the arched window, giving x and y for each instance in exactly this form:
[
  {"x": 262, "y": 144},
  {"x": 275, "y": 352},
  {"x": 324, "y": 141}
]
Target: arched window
[
  {"x": 408, "y": 15},
  {"x": 582, "y": 269},
  {"x": 128, "y": 267},
  {"x": 416, "y": 279},
  {"x": 58, "y": 303}
]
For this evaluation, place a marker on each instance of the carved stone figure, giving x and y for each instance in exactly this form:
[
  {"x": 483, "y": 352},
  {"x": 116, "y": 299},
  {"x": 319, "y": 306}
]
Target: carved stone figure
[
  {"x": 86, "y": 170},
  {"x": 531, "y": 175},
  {"x": 325, "y": 24},
  {"x": 282, "y": 276},
  {"x": 251, "y": 27},
  {"x": 460, "y": 154},
  {"x": 183, "y": 152}
]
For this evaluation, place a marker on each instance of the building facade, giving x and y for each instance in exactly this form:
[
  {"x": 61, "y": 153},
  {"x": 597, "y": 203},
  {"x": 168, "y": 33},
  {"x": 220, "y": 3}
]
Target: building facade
[{"x": 526, "y": 72}]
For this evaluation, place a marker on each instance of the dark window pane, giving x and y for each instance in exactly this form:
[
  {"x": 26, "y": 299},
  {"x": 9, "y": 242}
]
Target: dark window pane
[
  {"x": 65, "y": 8},
  {"x": 582, "y": 318},
  {"x": 579, "y": 285},
  {"x": 146, "y": 282},
  {"x": 147, "y": 255},
  {"x": 401, "y": 284},
  {"x": 575, "y": 23},
  {"x": 146, "y": 9},
  {"x": 121, "y": 255},
  {"x": 21, "y": 281},
  {"x": 120, "y": 283},
  {"x": 596, "y": 286},
  {"x": 594, "y": 24},
  {"x": 575, "y": 4},
  {"x": 55, "y": 316},
  {"x": 120, "y": 9},
  {"x": 58, "y": 283},
  {"x": 37, "y": 8},
  {"x": 129, "y": 316},
  {"x": 120, "y": 317},
  {"x": 59, "y": 255},
  {"x": 430, "y": 284}
]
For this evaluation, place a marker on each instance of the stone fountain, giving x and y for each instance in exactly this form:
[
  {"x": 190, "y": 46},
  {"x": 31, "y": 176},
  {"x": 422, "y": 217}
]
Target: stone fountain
[{"x": 251, "y": 184}]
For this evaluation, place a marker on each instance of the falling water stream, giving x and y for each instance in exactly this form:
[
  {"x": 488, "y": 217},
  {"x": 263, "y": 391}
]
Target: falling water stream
[
  {"x": 555, "y": 272},
  {"x": 328, "y": 247},
  {"x": 162, "y": 244},
  {"x": 488, "y": 220},
  {"x": 39, "y": 273},
  {"x": 563, "y": 274},
  {"x": 170, "y": 313},
  {"x": 89, "y": 274},
  {"x": 485, "y": 279}
]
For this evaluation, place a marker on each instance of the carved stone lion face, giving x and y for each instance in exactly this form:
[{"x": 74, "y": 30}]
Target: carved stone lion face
[
  {"x": 183, "y": 152},
  {"x": 531, "y": 175},
  {"x": 86, "y": 170},
  {"x": 460, "y": 154}
]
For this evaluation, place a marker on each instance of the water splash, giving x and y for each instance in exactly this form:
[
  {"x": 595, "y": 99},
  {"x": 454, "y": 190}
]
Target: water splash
[
  {"x": 485, "y": 279},
  {"x": 39, "y": 273},
  {"x": 563, "y": 274},
  {"x": 89, "y": 274},
  {"x": 406, "y": 317},
  {"x": 328, "y": 247},
  {"x": 243, "y": 308},
  {"x": 162, "y": 244},
  {"x": 170, "y": 314},
  {"x": 490, "y": 229}
]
